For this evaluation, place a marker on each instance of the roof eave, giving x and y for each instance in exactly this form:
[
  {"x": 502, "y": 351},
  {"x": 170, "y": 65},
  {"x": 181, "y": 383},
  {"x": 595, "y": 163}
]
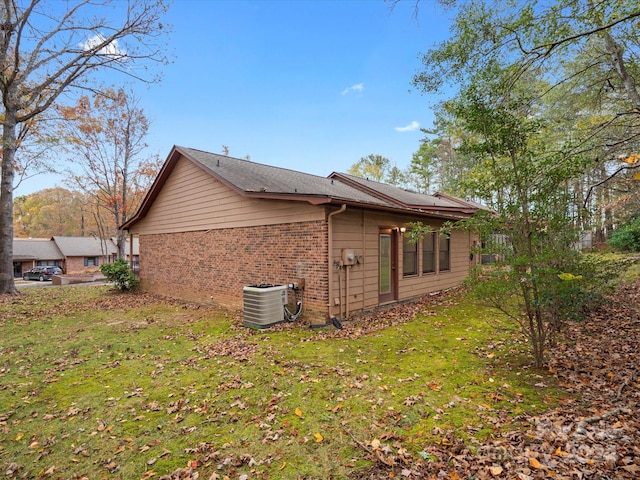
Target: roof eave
[{"x": 394, "y": 205}]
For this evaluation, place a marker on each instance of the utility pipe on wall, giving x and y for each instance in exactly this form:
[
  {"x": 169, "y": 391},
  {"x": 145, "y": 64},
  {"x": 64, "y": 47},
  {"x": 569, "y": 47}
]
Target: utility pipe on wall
[
  {"x": 340, "y": 291},
  {"x": 346, "y": 296},
  {"x": 330, "y": 249}
]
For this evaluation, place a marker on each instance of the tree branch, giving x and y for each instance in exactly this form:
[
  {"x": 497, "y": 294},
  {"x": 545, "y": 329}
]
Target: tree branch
[
  {"x": 602, "y": 182},
  {"x": 549, "y": 47}
]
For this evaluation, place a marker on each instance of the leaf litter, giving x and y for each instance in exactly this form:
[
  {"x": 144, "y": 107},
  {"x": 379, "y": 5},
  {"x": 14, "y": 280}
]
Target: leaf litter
[{"x": 592, "y": 434}]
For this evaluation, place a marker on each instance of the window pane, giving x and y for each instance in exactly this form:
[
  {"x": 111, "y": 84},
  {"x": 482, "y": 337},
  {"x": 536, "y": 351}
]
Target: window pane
[
  {"x": 385, "y": 263},
  {"x": 410, "y": 258},
  {"x": 444, "y": 253},
  {"x": 429, "y": 253}
]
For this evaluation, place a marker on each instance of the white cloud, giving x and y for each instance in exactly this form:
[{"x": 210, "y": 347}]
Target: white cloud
[
  {"x": 409, "y": 128},
  {"x": 358, "y": 87},
  {"x": 111, "y": 49}
]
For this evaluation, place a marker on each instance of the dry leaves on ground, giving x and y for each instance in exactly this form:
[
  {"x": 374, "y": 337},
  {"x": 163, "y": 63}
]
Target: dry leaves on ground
[{"x": 592, "y": 435}]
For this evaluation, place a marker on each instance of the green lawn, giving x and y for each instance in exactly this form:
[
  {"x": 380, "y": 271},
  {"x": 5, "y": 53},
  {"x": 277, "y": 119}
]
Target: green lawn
[{"x": 95, "y": 384}]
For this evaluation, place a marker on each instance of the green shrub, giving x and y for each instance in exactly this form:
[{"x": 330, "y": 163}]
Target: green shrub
[
  {"x": 120, "y": 274},
  {"x": 582, "y": 286},
  {"x": 556, "y": 290},
  {"x": 626, "y": 238}
]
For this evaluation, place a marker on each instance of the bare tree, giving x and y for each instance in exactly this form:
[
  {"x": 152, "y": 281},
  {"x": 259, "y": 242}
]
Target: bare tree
[
  {"x": 48, "y": 48},
  {"x": 105, "y": 140}
]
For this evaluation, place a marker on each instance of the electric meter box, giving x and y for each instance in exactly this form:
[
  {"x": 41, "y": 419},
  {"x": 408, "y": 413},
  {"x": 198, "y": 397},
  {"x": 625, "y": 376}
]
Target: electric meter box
[{"x": 349, "y": 256}]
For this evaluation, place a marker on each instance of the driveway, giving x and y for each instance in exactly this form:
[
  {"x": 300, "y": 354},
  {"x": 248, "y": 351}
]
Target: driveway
[{"x": 31, "y": 283}]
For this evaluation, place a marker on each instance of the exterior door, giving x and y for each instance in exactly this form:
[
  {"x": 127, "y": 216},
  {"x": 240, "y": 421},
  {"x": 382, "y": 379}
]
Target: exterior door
[{"x": 387, "y": 276}]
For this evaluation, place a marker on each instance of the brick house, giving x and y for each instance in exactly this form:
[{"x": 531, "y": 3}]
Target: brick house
[
  {"x": 72, "y": 254},
  {"x": 34, "y": 252},
  {"x": 212, "y": 224}
]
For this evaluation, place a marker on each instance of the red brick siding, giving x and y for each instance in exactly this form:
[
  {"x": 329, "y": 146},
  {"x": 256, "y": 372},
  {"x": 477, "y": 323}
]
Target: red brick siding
[
  {"x": 76, "y": 265},
  {"x": 213, "y": 266}
]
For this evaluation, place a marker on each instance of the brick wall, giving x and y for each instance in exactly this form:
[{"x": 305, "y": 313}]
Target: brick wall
[
  {"x": 76, "y": 265},
  {"x": 213, "y": 266}
]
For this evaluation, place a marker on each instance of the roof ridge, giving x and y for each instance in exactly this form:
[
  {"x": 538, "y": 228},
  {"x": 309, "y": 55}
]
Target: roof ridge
[{"x": 251, "y": 162}]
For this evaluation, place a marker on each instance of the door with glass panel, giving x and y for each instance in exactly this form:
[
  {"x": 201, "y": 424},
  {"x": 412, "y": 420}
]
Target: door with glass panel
[{"x": 388, "y": 248}]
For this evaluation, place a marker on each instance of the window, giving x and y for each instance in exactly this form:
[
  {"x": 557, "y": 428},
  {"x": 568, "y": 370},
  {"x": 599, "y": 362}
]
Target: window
[
  {"x": 410, "y": 257},
  {"x": 91, "y": 261},
  {"x": 444, "y": 250},
  {"x": 44, "y": 263},
  {"x": 429, "y": 253}
]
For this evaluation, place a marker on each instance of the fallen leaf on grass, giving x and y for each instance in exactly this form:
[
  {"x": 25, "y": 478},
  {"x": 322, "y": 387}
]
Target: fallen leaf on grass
[
  {"x": 435, "y": 386},
  {"x": 559, "y": 452},
  {"x": 298, "y": 412},
  {"x": 496, "y": 471},
  {"x": 534, "y": 463},
  {"x": 318, "y": 437},
  {"x": 50, "y": 471}
]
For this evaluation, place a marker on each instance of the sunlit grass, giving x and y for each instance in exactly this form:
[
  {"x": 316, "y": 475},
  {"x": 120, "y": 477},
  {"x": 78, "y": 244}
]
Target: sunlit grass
[{"x": 104, "y": 386}]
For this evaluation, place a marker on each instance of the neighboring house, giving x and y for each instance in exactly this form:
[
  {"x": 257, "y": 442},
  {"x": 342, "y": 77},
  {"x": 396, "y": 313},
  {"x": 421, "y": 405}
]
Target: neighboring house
[
  {"x": 85, "y": 254},
  {"x": 33, "y": 252},
  {"x": 72, "y": 254},
  {"x": 211, "y": 225}
]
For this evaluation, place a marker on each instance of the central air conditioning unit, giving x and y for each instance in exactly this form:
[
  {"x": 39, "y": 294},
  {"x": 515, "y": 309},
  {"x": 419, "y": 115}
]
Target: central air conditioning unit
[{"x": 264, "y": 305}]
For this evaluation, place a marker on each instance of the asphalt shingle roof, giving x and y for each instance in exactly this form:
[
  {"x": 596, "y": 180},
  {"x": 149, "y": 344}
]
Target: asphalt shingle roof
[
  {"x": 35, "y": 249},
  {"x": 255, "y": 177},
  {"x": 84, "y": 246},
  {"x": 406, "y": 197},
  {"x": 265, "y": 181}
]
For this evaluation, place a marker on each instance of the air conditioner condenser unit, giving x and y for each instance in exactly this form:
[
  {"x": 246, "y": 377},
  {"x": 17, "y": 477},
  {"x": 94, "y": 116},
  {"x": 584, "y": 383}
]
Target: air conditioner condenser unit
[{"x": 263, "y": 305}]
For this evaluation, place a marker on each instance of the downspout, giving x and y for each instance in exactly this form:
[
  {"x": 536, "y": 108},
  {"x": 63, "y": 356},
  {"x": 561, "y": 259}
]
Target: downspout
[
  {"x": 329, "y": 250},
  {"x": 340, "y": 291},
  {"x": 364, "y": 243},
  {"x": 346, "y": 296}
]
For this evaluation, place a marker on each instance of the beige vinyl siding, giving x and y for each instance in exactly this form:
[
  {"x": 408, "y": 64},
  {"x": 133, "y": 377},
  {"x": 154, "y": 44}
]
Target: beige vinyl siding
[
  {"x": 431, "y": 282},
  {"x": 193, "y": 200},
  {"x": 358, "y": 230},
  {"x": 371, "y": 263},
  {"x": 348, "y": 234}
]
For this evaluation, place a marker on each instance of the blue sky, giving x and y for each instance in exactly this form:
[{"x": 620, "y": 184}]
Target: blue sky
[{"x": 307, "y": 85}]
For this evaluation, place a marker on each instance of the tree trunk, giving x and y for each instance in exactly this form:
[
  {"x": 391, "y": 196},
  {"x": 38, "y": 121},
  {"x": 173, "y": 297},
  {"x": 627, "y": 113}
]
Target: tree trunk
[
  {"x": 7, "y": 285},
  {"x": 617, "y": 61}
]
